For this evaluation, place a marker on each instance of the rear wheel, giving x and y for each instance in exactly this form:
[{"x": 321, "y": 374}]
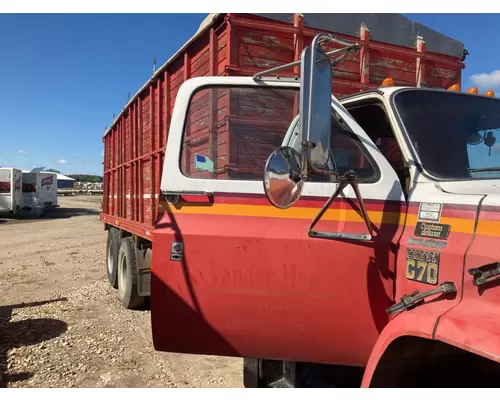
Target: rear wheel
[
  {"x": 128, "y": 275},
  {"x": 112, "y": 247}
]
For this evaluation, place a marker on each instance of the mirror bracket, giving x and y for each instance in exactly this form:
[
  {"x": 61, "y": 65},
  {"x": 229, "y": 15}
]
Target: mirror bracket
[
  {"x": 344, "y": 181},
  {"x": 306, "y": 164},
  {"x": 308, "y": 144}
]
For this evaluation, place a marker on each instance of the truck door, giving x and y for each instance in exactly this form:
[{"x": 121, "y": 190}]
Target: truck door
[{"x": 234, "y": 276}]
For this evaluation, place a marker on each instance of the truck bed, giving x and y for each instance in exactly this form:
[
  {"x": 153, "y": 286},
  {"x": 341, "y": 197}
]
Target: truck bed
[{"x": 241, "y": 45}]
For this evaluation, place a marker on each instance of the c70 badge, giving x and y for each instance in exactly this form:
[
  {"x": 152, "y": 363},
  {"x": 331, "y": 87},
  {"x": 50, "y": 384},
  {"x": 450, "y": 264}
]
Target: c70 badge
[{"x": 422, "y": 266}]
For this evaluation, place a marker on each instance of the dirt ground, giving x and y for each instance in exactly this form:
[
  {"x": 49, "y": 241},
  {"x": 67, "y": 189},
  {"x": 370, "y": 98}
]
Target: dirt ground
[{"x": 61, "y": 324}]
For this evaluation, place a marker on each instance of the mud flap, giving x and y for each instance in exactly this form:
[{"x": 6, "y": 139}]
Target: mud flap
[
  {"x": 144, "y": 283},
  {"x": 144, "y": 272},
  {"x": 259, "y": 373}
]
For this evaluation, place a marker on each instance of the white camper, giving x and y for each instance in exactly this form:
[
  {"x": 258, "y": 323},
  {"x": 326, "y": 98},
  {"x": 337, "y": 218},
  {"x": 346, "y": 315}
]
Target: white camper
[
  {"x": 32, "y": 187},
  {"x": 48, "y": 190},
  {"x": 11, "y": 197}
]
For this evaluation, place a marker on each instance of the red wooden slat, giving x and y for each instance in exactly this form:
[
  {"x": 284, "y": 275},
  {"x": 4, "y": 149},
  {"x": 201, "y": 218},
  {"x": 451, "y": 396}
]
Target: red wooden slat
[
  {"x": 187, "y": 73},
  {"x": 212, "y": 138},
  {"x": 120, "y": 148},
  {"x": 167, "y": 107},
  {"x": 365, "y": 56},
  {"x": 140, "y": 164},
  {"x": 421, "y": 73},
  {"x": 152, "y": 96},
  {"x": 298, "y": 46},
  {"x": 136, "y": 163}
]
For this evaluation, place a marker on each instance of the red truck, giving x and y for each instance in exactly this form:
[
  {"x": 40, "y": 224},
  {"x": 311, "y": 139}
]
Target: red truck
[{"x": 383, "y": 271}]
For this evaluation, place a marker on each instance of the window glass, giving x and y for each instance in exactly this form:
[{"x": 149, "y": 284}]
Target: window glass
[{"x": 230, "y": 132}]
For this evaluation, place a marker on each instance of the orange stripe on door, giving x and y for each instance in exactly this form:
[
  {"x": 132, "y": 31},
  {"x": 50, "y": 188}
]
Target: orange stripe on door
[{"x": 489, "y": 228}]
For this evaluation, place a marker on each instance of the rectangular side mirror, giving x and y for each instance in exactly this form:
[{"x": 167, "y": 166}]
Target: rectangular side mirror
[{"x": 315, "y": 103}]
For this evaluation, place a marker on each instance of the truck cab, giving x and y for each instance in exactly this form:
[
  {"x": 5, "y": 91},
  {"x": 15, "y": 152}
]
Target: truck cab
[{"x": 378, "y": 261}]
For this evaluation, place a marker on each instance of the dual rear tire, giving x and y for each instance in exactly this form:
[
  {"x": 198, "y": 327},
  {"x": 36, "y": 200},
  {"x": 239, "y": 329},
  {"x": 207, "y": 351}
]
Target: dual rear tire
[{"x": 122, "y": 269}]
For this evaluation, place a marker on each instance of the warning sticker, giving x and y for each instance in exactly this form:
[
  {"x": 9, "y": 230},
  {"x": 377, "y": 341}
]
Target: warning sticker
[{"x": 430, "y": 212}]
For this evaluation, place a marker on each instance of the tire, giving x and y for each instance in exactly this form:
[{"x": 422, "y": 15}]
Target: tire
[
  {"x": 112, "y": 247},
  {"x": 127, "y": 275}
]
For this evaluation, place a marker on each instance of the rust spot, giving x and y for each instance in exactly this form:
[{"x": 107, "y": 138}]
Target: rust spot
[
  {"x": 272, "y": 39},
  {"x": 259, "y": 39},
  {"x": 387, "y": 63},
  {"x": 262, "y": 63},
  {"x": 250, "y": 40},
  {"x": 442, "y": 72},
  {"x": 221, "y": 43},
  {"x": 199, "y": 139}
]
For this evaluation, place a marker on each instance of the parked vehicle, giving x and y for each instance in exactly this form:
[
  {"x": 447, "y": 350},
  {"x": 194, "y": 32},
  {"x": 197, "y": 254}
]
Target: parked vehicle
[
  {"x": 48, "y": 189},
  {"x": 329, "y": 242},
  {"x": 32, "y": 188},
  {"x": 11, "y": 199}
]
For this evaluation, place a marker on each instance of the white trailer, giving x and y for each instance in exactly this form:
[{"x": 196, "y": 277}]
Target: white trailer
[
  {"x": 48, "y": 190},
  {"x": 32, "y": 187},
  {"x": 11, "y": 197}
]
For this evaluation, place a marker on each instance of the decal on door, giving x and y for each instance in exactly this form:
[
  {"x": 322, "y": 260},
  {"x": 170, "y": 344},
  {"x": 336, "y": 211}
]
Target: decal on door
[
  {"x": 433, "y": 231},
  {"x": 432, "y": 243},
  {"x": 48, "y": 180},
  {"x": 430, "y": 212},
  {"x": 4, "y": 187},
  {"x": 422, "y": 266}
]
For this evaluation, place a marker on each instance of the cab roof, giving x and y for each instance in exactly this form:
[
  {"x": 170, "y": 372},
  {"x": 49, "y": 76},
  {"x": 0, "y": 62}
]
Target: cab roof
[{"x": 389, "y": 90}]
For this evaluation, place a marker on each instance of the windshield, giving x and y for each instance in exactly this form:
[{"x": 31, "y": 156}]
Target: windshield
[{"x": 455, "y": 135}]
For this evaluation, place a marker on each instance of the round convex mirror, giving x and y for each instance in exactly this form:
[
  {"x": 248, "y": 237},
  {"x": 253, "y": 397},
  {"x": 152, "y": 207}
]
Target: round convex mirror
[{"x": 282, "y": 177}]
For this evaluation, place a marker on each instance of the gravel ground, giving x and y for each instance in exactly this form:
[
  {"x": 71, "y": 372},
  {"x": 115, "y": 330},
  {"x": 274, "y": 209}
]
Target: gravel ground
[{"x": 61, "y": 324}]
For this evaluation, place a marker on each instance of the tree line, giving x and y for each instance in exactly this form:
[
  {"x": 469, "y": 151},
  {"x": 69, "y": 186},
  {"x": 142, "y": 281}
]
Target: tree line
[
  {"x": 86, "y": 178},
  {"x": 80, "y": 177}
]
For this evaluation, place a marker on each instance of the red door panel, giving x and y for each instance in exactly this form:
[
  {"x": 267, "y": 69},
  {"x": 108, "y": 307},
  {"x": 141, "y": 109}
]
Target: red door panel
[{"x": 252, "y": 283}]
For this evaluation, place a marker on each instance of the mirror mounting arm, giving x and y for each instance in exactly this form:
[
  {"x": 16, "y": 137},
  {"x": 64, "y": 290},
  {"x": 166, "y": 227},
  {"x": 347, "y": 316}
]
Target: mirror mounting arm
[
  {"x": 344, "y": 181},
  {"x": 342, "y": 53},
  {"x": 305, "y": 161}
]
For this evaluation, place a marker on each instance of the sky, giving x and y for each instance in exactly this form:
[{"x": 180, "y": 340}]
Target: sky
[{"x": 62, "y": 77}]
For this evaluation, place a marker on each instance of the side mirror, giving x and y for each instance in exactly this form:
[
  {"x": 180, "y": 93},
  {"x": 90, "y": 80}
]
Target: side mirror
[
  {"x": 315, "y": 104},
  {"x": 283, "y": 181},
  {"x": 286, "y": 169}
]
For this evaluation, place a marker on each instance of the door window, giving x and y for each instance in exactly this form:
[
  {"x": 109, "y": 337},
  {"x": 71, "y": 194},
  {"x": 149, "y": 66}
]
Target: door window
[
  {"x": 230, "y": 132},
  {"x": 372, "y": 117}
]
